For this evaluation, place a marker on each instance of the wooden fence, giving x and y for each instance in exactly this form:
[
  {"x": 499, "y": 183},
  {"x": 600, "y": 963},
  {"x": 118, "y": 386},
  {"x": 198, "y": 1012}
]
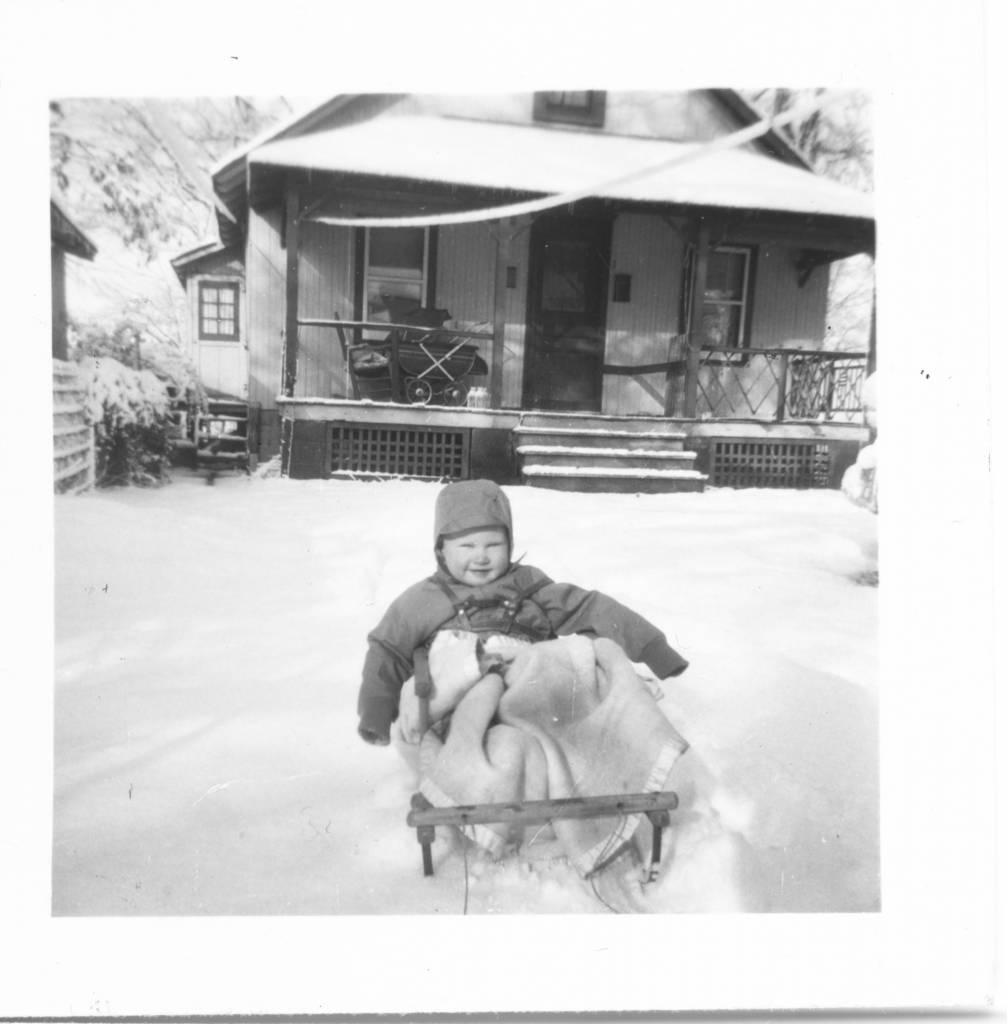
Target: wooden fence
[{"x": 72, "y": 433}]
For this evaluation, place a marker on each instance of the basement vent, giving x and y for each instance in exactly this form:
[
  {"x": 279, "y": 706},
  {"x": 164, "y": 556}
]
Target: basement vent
[
  {"x": 770, "y": 464},
  {"x": 425, "y": 452}
]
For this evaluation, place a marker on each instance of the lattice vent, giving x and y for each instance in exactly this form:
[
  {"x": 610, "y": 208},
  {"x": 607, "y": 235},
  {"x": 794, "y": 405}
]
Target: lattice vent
[
  {"x": 425, "y": 452},
  {"x": 770, "y": 464}
]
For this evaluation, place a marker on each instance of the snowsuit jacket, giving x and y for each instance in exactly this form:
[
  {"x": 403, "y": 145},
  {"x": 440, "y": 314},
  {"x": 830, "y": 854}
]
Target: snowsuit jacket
[{"x": 524, "y": 601}]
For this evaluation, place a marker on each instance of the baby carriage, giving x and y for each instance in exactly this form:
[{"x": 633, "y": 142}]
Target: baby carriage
[{"x": 420, "y": 362}]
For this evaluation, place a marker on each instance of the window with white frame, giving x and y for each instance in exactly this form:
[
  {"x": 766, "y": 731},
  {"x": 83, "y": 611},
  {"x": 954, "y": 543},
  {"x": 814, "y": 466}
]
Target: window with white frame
[
  {"x": 727, "y": 298},
  {"x": 395, "y": 272},
  {"x": 218, "y": 311}
]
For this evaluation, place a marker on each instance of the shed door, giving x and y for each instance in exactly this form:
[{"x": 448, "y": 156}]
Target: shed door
[{"x": 565, "y": 338}]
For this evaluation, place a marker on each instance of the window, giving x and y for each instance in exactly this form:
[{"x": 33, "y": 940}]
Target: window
[
  {"x": 395, "y": 272},
  {"x": 218, "y": 311},
  {"x": 571, "y": 107},
  {"x": 726, "y": 299}
]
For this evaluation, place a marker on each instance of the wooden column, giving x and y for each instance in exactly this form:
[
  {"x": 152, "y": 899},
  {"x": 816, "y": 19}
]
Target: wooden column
[
  {"x": 696, "y": 319},
  {"x": 290, "y": 338},
  {"x": 872, "y": 342},
  {"x": 504, "y": 236}
]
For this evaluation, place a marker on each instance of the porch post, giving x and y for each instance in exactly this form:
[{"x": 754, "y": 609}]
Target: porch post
[
  {"x": 504, "y": 237},
  {"x": 695, "y": 326},
  {"x": 872, "y": 342},
  {"x": 290, "y": 339}
]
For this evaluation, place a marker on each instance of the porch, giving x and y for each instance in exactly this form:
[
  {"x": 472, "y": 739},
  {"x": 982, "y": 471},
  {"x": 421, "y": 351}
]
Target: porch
[{"x": 782, "y": 417}]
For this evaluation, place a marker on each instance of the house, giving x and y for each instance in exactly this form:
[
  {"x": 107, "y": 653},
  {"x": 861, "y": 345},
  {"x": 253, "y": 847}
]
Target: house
[
  {"x": 577, "y": 289},
  {"x": 65, "y": 238}
]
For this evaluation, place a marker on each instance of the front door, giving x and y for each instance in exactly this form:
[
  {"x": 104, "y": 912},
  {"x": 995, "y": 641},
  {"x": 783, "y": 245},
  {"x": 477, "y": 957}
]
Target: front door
[{"x": 565, "y": 337}]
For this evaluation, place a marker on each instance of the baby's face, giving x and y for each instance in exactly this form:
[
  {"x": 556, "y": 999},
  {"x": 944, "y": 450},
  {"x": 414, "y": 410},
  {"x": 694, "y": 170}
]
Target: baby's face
[{"x": 477, "y": 557}]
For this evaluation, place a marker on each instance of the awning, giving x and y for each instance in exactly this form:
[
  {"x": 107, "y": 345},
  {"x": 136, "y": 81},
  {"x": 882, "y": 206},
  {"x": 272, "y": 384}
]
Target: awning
[{"x": 551, "y": 161}]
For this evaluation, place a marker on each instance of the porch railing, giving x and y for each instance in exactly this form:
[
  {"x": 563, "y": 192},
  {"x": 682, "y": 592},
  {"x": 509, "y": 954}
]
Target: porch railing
[
  {"x": 405, "y": 363},
  {"x": 777, "y": 384},
  {"x": 709, "y": 382}
]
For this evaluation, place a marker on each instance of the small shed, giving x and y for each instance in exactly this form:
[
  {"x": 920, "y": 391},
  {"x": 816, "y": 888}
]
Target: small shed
[{"x": 213, "y": 275}]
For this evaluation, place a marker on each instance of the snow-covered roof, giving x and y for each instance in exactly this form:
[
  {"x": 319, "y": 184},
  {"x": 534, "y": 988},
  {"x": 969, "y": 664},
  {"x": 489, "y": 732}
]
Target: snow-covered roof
[
  {"x": 192, "y": 259},
  {"x": 533, "y": 159}
]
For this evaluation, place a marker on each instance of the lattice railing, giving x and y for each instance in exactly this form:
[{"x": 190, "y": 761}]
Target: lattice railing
[
  {"x": 832, "y": 386},
  {"x": 425, "y": 452},
  {"x": 779, "y": 384}
]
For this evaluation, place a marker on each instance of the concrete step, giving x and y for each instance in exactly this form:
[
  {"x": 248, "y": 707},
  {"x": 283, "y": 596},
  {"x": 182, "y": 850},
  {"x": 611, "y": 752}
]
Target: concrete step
[
  {"x": 602, "y": 458},
  {"x": 594, "y": 437},
  {"x": 613, "y": 480}
]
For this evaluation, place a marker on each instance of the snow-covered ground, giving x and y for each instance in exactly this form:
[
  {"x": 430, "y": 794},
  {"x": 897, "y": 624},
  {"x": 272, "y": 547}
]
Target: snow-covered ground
[{"x": 208, "y": 648}]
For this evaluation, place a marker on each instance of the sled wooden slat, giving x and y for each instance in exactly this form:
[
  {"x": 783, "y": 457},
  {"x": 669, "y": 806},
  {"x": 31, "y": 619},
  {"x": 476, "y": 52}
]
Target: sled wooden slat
[
  {"x": 531, "y": 812},
  {"x": 424, "y": 817}
]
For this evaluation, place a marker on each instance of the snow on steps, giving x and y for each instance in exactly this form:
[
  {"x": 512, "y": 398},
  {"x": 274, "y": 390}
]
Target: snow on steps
[
  {"x": 594, "y": 453},
  {"x": 614, "y": 479},
  {"x": 627, "y": 458},
  {"x": 593, "y": 437}
]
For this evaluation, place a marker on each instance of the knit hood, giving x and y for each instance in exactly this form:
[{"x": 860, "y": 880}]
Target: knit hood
[{"x": 471, "y": 505}]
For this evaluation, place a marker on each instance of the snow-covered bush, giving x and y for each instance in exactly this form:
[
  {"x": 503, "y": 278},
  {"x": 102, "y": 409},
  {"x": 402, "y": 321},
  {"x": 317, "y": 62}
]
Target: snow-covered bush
[
  {"x": 133, "y": 344},
  {"x": 130, "y": 410},
  {"x": 861, "y": 481}
]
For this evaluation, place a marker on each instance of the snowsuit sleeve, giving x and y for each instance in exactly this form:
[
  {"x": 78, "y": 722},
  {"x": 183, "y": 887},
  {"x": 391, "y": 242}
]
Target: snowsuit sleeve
[
  {"x": 389, "y": 661},
  {"x": 572, "y": 609}
]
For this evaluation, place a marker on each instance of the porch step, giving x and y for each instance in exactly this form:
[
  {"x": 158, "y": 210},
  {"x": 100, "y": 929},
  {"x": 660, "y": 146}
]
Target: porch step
[
  {"x": 618, "y": 480},
  {"x": 604, "y": 458},
  {"x": 574, "y": 452},
  {"x": 595, "y": 437},
  {"x": 221, "y": 434}
]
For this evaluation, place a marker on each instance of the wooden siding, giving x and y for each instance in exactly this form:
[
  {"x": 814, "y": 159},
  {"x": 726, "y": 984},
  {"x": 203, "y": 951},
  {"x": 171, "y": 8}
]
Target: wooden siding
[
  {"x": 466, "y": 264},
  {"x": 466, "y": 269},
  {"x": 326, "y": 285},
  {"x": 325, "y": 289},
  {"x": 265, "y": 273},
  {"x": 639, "y": 331},
  {"x": 784, "y": 314},
  {"x": 72, "y": 433},
  {"x": 466, "y": 287}
]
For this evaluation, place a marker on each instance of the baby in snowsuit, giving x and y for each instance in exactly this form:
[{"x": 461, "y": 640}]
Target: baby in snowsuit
[{"x": 478, "y": 588}]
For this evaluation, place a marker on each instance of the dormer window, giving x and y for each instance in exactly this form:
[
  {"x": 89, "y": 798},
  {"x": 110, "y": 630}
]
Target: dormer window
[{"x": 587, "y": 108}]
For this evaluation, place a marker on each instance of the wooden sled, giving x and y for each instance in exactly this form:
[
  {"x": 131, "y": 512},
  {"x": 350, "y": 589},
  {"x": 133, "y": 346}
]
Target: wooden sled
[{"x": 425, "y": 817}]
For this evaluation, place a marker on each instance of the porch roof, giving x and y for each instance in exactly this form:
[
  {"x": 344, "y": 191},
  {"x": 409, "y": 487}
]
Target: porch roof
[{"x": 552, "y": 161}]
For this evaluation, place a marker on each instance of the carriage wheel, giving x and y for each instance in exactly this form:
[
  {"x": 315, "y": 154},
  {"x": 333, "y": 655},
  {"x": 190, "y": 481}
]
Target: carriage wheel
[
  {"x": 456, "y": 393},
  {"x": 419, "y": 392}
]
